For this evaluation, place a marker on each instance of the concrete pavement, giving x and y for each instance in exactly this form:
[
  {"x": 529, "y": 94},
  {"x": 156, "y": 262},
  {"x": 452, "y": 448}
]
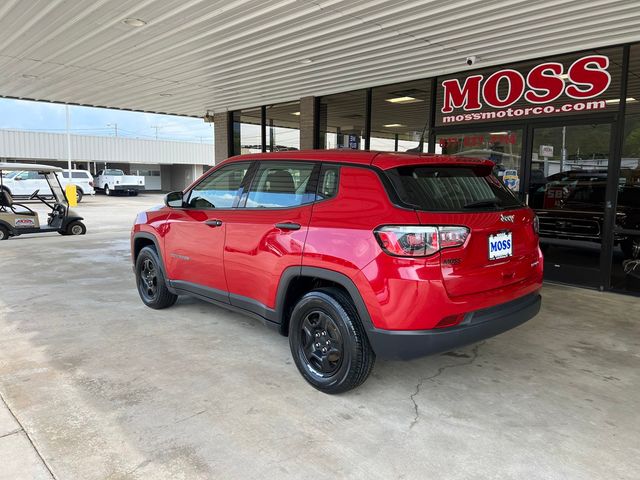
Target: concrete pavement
[{"x": 109, "y": 389}]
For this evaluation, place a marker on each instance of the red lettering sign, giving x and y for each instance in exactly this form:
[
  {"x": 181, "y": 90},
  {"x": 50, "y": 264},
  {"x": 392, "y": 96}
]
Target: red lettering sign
[
  {"x": 586, "y": 78},
  {"x": 467, "y": 97},
  {"x": 515, "y": 88}
]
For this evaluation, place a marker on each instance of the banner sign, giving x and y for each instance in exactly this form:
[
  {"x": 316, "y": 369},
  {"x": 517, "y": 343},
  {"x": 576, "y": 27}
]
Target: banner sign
[{"x": 509, "y": 94}]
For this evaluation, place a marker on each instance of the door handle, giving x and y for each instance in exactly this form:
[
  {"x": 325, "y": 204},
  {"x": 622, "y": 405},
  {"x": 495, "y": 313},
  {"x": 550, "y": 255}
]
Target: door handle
[
  {"x": 288, "y": 226},
  {"x": 214, "y": 223}
]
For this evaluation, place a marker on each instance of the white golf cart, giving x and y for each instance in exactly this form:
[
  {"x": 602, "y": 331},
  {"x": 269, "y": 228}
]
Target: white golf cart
[{"x": 18, "y": 219}]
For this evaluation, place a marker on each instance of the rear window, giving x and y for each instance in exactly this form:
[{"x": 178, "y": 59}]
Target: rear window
[{"x": 447, "y": 189}]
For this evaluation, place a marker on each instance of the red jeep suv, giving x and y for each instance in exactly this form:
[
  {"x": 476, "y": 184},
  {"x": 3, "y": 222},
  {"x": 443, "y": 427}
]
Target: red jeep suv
[{"x": 351, "y": 254}]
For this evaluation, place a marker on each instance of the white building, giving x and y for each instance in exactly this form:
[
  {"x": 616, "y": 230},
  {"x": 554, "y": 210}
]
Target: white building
[{"x": 166, "y": 165}]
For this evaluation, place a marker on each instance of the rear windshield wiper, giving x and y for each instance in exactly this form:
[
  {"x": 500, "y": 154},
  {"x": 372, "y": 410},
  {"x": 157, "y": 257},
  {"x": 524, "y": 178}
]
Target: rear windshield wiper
[{"x": 487, "y": 202}]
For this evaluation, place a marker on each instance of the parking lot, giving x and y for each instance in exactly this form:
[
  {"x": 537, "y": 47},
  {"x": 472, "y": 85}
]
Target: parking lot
[{"x": 99, "y": 386}]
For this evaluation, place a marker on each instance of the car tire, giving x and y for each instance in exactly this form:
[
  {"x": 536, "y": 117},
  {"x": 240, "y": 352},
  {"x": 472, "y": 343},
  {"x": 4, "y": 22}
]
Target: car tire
[
  {"x": 79, "y": 195},
  {"x": 150, "y": 280},
  {"x": 631, "y": 248},
  {"x": 107, "y": 190},
  {"x": 328, "y": 342},
  {"x": 4, "y": 233}
]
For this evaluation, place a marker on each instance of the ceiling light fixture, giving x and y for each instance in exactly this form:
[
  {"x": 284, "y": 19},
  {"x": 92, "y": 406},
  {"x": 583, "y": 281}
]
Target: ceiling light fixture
[
  {"x": 297, "y": 114},
  {"x": 29, "y": 77},
  {"x": 134, "y": 22},
  {"x": 613, "y": 101},
  {"x": 402, "y": 100},
  {"x": 498, "y": 133},
  {"x": 166, "y": 94},
  {"x": 394, "y": 125},
  {"x": 305, "y": 61}
]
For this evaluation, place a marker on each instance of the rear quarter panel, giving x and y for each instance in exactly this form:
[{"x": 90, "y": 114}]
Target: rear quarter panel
[{"x": 340, "y": 236}]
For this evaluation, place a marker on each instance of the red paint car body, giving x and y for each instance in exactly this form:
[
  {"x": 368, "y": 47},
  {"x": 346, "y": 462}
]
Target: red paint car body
[{"x": 245, "y": 259}]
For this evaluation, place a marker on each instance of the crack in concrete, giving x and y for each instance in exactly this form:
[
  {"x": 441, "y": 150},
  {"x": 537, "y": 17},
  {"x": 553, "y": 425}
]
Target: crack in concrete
[
  {"x": 13, "y": 432},
  {"x": 474, "y": 356},
  {"x": 190, "y": 417},
  {"x": 31, "y": 441}
]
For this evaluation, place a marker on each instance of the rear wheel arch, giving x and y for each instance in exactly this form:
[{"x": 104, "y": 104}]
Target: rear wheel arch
[{"x": 297, "y": 281}]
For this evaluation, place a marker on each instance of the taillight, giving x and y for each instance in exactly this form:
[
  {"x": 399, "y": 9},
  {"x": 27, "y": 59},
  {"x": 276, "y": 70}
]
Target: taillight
[
  {"x": 536, "y": 225},
  {"x": 418, "y": 241},
  {"x": 91, "y": 184}
]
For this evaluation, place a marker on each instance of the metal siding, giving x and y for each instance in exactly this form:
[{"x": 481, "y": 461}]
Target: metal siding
[
  {"x": 41, "y": 145},
  {"x": 241, "y": 53}
]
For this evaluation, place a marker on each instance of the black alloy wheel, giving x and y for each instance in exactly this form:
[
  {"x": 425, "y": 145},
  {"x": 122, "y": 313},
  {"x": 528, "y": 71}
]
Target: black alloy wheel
[
  {"x": 328, "y": 342},
  {"x": 322, "y": 343},
  {"x": 150, "y": 280}
]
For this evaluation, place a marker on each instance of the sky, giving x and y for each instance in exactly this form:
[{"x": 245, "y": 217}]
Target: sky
[{"x": 50, "y": 117}]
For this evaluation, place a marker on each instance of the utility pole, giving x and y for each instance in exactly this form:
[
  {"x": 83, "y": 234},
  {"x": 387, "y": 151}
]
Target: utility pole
[
  {"x": 115, "y": 128},
  {"x": 156, "y": 127},
  {"x": 68, "y": 141}
]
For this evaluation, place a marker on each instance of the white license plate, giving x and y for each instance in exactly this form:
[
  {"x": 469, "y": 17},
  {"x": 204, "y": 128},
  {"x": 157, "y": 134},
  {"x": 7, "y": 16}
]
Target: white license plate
[{"x": 500, "y": 245}]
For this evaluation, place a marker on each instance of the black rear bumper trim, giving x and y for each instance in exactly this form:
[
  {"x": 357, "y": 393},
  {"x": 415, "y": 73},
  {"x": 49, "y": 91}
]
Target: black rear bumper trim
[{"x": 477, "y": 326}]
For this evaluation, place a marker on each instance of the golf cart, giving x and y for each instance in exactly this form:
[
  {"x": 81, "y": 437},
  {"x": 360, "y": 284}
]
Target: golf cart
[{"x": 18, "y": 219}]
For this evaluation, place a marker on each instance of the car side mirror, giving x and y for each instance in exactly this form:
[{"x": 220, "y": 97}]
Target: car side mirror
[{"x": 174, "y": 200}]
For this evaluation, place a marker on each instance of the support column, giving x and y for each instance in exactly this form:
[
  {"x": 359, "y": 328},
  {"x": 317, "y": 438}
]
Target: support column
[
  {"x": 223, "y": 136},
  {"x": 308, "y": 123}
]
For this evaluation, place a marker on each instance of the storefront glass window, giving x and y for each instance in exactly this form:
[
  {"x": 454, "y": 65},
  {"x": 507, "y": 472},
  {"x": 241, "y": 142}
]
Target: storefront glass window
[
  {"x": 626, "y": 255},
  {"x": 504, "y": 148},
  {"x": 247, "y": 133},
  {"x": 399, "y": 116},
  {"x": 283, "y": 127},
  {"x": 342, "y": 120}
]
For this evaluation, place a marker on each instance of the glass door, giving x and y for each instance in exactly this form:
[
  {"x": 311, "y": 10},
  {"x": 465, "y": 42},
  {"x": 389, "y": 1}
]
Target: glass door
[{"x": 568, "y": 172}]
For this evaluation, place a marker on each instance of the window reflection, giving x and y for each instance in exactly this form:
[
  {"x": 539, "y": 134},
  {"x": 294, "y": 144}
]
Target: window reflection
[
  {"x": 283, "y": 127},
  {"x": 399, "y": 116},
  {"x": 504, "y": 148},
  {"x": 342, "y": 120}
]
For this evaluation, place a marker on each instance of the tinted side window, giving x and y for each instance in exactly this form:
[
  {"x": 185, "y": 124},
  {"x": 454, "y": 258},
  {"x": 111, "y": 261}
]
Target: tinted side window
[
  {"x": 78, "y": 175},
  {"x": 220, "y": 189},
  {"x": 282, "y": 184}
]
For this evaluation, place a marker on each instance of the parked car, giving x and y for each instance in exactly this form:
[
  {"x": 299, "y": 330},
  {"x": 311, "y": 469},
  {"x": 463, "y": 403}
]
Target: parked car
[
  {"x": 353, "y": 255},
  {"x": 82, "y": 179},
  {"x": 571, "y": 206},
  {"x": 23, "y": 184},
  {"x": 113, "y": 180}
]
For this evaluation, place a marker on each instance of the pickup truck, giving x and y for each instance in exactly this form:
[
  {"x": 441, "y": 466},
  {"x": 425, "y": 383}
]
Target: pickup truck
[{"x": 113, "y": 180}]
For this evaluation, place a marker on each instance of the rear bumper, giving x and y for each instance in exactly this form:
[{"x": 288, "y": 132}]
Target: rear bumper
[
  {"x": 129, "y": 188},
  {"x": 476, "y": 326}
]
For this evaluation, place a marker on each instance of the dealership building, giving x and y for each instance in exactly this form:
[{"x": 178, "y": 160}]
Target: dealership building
[{"x": 549, "y": 91}]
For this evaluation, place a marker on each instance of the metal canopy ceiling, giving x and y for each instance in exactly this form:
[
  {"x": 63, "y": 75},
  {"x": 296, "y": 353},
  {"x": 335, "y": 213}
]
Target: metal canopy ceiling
[{"x": 195, "y": 56}]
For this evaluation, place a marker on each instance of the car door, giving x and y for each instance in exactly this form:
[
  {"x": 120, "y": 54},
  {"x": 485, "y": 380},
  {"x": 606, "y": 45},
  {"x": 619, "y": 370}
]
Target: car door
[
  {"x": 268, "y": 234},
  {"x": 22, "y": 184},
  {"x": 195, "y": 234}
]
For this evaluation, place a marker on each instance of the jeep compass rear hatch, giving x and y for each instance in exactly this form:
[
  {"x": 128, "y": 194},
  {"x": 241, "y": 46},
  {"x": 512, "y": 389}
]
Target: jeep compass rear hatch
[{"x": 499, "y": 246}]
